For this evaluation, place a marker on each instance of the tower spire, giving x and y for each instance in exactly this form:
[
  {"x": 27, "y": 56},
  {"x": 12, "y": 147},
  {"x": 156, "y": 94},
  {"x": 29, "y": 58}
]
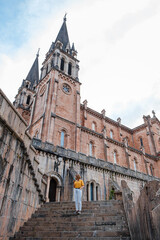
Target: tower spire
[
  {"x": 33, "y": 75},
  {"x": 63, "y": 35},
  {"x": 65, "y": 18},
  {"x": 38, "y": 52}
]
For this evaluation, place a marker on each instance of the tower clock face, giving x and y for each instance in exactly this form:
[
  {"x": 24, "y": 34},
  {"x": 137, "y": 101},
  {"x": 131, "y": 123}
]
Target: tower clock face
[{"x": 66, "y": 88}]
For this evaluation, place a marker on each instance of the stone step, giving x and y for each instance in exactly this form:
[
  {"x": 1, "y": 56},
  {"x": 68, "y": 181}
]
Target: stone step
[
  {"x": 86, "y": 204},
  {"x": 99, "y": 220},
  {"x": 105, "y": 226},
  {"x": 84, "y": 214},
  {"x": 69, "y": 238},
  {"x": 75, "y": 234},
  {"x": 44, "y": 221}
]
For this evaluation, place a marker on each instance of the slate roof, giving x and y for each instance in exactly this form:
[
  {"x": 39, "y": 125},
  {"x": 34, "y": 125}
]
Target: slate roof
[
  {"x": 63, "y": 35},
  {"x": 33, "y": 75}
]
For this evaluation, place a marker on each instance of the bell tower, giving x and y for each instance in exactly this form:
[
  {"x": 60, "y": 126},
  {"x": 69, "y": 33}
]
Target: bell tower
[{"x": 56, "y": 111}]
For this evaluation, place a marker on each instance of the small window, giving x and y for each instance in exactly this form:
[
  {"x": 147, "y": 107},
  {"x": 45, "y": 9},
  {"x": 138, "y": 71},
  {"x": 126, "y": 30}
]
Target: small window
[
  {"x": 28, "y": 99},
  {"x": 135, "y": 164},
  {"x": 115, "y": 157},
  {"x": 93, "y": 126},
  {"x": 141, "y": 142},
  {"x": 62, "y": 138},
  {"x": 70, "y": 69},
  {"x": 96, "y": 193},
  {"x": 46, "y": 69},
  {"x": 151, "y": 169},
  {"x": 62, "y": 64},
  {"x": 91, "y": 149},
  {"x": 92, "y": 191},
  {"x": 111, "y": 134}
]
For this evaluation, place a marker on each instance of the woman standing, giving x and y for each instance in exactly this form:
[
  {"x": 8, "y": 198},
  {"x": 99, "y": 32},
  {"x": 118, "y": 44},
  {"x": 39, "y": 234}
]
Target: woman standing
[{"x": 78, "y": 185}]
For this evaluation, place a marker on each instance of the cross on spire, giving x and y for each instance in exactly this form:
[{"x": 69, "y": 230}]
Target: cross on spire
[{"x": 65, "y": 19}]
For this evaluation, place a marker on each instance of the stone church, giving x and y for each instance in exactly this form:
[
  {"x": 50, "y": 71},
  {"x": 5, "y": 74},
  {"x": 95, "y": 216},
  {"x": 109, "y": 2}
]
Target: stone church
[{"x": 48, "y": 135}]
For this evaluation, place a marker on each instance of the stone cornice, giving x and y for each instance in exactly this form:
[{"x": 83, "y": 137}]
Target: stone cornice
[
  {"x": 64, "y": 119},
  {"x": 107, "y": 119},
  {"x": 84, "y": 129},
  {"x": 115, "y": 142}
]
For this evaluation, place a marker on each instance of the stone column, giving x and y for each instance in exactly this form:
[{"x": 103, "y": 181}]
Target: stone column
[
  {"x": 85, "y": 110},
  {"x": 49, "y": 65},
  {"x": 66, "y": 67},
  {"x": 58, "y": 193},
  {"x": 94, "y": 192},
  {"x": 76, "y": 72},
  {"x": 126, "y": 152},
  {"x": 47, "y": 191},
  {"x": 58, "y": 60},
  {"x": 144, "y": 159},
  {"x": 147, "y": 121},
  {"x": 44, "y": 71},
  {"x": 89, "y": 192},
  {"x": 119, "y": 129}
]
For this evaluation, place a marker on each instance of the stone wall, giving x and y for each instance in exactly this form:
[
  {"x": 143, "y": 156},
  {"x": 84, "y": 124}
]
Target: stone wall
[
  {"x": 22, "y": 187},
  {"x": 144, "y": 215},
  {"x": 98, "y": 171}
]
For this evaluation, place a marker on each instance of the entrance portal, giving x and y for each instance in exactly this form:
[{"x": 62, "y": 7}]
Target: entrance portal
[{"x": 52, "y": 190}]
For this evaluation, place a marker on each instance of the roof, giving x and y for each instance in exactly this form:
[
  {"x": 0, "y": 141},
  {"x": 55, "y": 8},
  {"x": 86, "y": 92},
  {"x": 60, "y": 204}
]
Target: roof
[{"x": 63, "y": 35}]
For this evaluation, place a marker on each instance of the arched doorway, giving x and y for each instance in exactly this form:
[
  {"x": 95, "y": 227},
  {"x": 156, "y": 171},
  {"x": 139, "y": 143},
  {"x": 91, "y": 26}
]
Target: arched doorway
[{"x": 52, "y": 190}]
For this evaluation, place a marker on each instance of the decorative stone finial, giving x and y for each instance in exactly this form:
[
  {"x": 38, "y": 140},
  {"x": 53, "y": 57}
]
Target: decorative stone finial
[
  {"x": 103, "y": 113},
  {"x": 65, "y": 19},
  {"x": 154, "y": 114},
  {"x": 119, "y": 120},
  {"x": 38, "y": 52},
  {"x": 85, "y": 103}
]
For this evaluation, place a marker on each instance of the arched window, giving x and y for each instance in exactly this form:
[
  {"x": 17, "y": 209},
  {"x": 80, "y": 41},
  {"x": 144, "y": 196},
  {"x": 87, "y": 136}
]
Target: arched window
[
  {"x": 91, "y": 149},
  {"x": 70, "y": 69},
  {"x": 141, "y": 141},
  {"x": 93, "y": 126},
  {"x": 115, "y": 156},
  {"x": 46, "y": 69},
  {"x": 62, "y": 64},
  {"x": 135, "y": 164},
  {"x": 111, "y": 134},
  {"x": 151, "y": 169},
  {"x": 87, "y": 192},
  {"x": 62, "y": 138},
  {"x": 92, "y": 191},
  {"x": 97, "y": 193},
  {"x": 28, "y": 99}
]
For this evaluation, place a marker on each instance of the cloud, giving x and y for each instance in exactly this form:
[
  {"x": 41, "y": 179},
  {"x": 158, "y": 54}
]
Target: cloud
[
  {"x": 122, "y": 77},
  {"x": 130, "y": 20}
]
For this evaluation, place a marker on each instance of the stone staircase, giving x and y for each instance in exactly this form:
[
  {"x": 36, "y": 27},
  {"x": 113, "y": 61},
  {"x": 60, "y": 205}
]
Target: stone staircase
[{"x": 58, "y": 221}]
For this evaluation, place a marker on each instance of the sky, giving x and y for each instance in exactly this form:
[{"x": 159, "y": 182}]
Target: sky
[{"x": 118, "y": 44}]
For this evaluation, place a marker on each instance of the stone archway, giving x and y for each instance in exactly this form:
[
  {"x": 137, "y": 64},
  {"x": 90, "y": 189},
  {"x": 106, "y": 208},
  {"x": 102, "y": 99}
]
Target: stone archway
[{"x": 54, "y": 186}]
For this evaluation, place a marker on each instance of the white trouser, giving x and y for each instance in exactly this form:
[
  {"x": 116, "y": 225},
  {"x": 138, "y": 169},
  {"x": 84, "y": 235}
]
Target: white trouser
[{"x": 78, "y": 199}]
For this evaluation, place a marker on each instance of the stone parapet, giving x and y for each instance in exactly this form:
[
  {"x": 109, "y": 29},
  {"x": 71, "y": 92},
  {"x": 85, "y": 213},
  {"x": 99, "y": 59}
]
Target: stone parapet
[
  {"x": 88, "y": 160},
  {"x": 22, "y": 188}
]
